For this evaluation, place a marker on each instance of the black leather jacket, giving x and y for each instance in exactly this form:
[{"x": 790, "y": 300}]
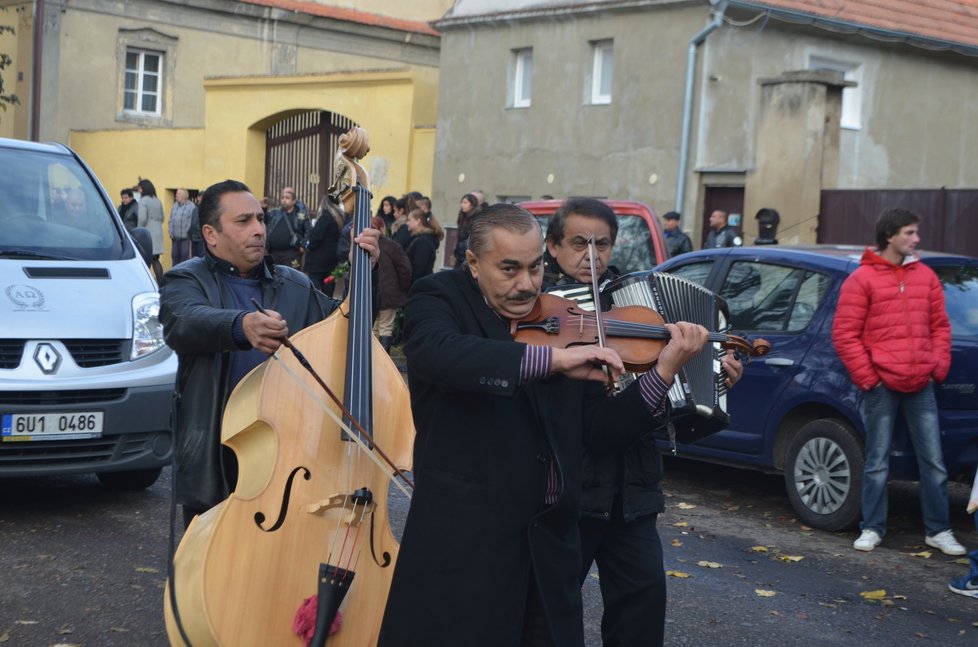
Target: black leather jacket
[
  {"x": 634, "y": 474},
  {"x": 197, "y": 311}
]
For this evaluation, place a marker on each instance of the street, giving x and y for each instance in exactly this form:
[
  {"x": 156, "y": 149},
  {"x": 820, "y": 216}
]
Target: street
[{"x": 82, "y": 565}]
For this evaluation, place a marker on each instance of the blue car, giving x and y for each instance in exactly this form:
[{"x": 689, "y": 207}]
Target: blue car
[{"x": 795, "y": 411}]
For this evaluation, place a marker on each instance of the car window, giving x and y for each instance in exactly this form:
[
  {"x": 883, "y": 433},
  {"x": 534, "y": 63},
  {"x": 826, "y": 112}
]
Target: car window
[
  {"x": 765, "y": 296},
  {"x": 961, "y": 298},
  {"x": 49, "y": 206},
  {"x": 695, "y": 272}
]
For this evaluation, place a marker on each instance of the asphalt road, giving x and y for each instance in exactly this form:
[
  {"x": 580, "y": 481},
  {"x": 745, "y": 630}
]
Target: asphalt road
[{"x": 82, "y": 565}]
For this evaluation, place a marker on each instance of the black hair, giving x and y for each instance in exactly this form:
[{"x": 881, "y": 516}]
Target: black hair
[
  {"x": 127, "y": 192},
  {"x": 587, "y": 207},
  {"x": 209, "y": 210},
  {"x": 146, "y": 188},
  {"x": 890, "y": 222}
]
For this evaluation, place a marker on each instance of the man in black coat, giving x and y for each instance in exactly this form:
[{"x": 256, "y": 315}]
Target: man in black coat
[
  {"x": 490, "y": 553},
  {"x": 219, "y": 336},
  {"x": 622, "y": 495}
]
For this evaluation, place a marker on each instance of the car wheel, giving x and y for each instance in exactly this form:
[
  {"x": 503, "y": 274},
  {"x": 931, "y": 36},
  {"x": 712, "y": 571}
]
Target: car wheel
[
  {"x": 130, "y": 480},
  {"x": 824, "y": 473}
]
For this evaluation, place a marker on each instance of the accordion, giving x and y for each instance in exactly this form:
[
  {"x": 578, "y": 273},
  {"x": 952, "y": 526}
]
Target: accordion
[{"x": 696, "y": 404}]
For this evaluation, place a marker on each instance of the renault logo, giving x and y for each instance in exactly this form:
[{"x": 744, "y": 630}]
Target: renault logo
[{"x": 47, "y": 358}]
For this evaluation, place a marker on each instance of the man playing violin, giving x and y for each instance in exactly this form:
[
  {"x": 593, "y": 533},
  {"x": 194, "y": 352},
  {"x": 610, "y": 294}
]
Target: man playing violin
[
  {"x": 209, "y": 319},
  {"x": 622, "y": 496},
  {"x": 490, "y": 553}
]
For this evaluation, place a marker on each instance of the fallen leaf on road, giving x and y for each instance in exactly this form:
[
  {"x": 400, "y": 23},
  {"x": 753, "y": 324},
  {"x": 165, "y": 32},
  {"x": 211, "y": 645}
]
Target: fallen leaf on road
[
  {"x": 66, "y": 645},
  {"x": 791, "y": 558},
  {"x": 678, "y": 574},
  {"x": 685, "y": 506},
  {"x": 899, "y": 597},
  {"x": 4, "y": 637},
  {"x": 926, "y": 554},
  {"x": 731, "y": 508},
  {"x": 25, "y": 622},
  {"x": 681, "y": 524},
  {"x": 147, "y": 569},
  {"x": 964, "y": 561},
  {"x": 706, "y": 564},
  {"x": 677, "y": 543},
  {"x": 878, "y": 594},
  {"x": 804, "y": 527},
  {"x": 761, "y": 593},
  {"x": 759, "y": 549}
]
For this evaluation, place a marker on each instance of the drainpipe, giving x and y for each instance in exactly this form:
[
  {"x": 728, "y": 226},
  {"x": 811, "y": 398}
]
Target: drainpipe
[
  {"x": 694, "y": 43},
  {"x": 38, "y": 43}
]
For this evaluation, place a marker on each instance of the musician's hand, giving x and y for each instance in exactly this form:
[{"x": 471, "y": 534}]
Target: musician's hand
[
  {"x": 685, "y": 342},
  {"x": 733, "y": 367},
  {"x": 265, "y": 331},
  {"x": 369, "y": 241},
  {"x": 586, "y": 362}
]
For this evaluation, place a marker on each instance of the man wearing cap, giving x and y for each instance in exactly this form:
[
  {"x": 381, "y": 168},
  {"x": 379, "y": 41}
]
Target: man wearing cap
[{"x": 676, "y": 241}]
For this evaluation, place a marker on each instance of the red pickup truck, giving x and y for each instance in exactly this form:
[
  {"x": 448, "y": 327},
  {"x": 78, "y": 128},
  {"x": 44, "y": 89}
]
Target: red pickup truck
[{"x": 640, "y": 244}]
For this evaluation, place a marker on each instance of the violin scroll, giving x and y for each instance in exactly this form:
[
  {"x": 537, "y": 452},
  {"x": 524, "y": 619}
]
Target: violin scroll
[{"x": 748, "y": 349}]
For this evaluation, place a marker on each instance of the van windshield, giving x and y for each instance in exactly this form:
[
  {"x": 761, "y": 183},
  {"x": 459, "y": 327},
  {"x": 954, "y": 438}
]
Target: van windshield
[{"x": 51, "y": 209}]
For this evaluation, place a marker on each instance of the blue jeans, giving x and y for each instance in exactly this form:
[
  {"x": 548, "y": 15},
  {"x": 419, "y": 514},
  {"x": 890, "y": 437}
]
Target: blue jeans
[{"x": 879, "y": 410}]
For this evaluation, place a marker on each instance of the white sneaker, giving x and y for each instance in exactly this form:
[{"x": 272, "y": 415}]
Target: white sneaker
[
  {"x": 867, "y": 541},
  {"x": 946, "y": 543}
]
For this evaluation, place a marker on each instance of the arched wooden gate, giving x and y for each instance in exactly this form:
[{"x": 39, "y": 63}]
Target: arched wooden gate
[{"x": 299, "y": 153}]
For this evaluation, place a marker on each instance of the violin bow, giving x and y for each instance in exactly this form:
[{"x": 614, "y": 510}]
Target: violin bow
[{"x": 596, "y": 295}]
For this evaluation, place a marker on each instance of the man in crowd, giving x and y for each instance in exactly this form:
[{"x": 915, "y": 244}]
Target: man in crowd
[
  {"x": 210, "y": 321},
  {"x": 501, "y": 427},
  {"x": 677, "y": 242},
  {"x": 893, "y": 335},
  {"x": 128, "y": 209},
  {"x": 181, "y": 218},
  {"x": 288, "y": 229},
  {"x": 622, "y": 495},
  {"x": 721, "y": 234}
]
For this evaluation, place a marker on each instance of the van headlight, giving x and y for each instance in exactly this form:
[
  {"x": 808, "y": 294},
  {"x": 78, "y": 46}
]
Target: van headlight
[{"x": 147, "y": 332}]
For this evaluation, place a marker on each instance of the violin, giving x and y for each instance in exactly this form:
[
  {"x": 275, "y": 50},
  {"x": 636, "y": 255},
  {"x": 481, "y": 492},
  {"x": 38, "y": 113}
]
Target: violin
[
  {"x": 306, "y": 532},
  {"x": 636, "y": 333}
]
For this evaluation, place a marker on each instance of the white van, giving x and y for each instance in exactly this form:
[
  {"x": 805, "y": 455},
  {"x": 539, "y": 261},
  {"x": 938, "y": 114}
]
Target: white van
[{"x": 86, "y": 381}]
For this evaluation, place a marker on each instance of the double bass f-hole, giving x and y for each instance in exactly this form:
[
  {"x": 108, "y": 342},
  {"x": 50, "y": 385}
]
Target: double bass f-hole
[{"x": 286, "y": 495}]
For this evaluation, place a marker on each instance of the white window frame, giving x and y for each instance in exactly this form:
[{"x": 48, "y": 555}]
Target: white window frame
[
  {"x": 141, "y": 76},
  {"x": 522, "y": 77},
  {"x": 852, "y": 98},
  {"x": 602, "y": 52}
]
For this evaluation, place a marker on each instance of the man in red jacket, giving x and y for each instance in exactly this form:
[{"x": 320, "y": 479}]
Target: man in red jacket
[{"x": 893, "y": 335}]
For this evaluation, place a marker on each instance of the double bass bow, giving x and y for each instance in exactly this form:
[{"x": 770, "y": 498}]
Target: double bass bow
[{"x": 307, "y": 524}]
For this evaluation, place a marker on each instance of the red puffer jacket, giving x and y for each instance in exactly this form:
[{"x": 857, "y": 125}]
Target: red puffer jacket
[{"x": 891, "y": 325}]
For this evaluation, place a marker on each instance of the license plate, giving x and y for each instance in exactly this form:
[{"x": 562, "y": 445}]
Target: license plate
[{"x": 51, "y": 426}]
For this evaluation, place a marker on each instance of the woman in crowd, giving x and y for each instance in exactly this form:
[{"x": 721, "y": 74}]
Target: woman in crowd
[
  {"x": 150, "y": 215},
  {"x": 426, "y": 233},
  {"x": 465, "y": 210},
  {"x": 399, "y": 230},
  {"x": 321, "y": 252},
  {"x": 395, "y": 280},
  {"x": 388, "y": 212}
]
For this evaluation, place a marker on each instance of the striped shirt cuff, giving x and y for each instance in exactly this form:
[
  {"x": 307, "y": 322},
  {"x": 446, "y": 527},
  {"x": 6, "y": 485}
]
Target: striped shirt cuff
[
  {"x": 653, "y": 389},
  {"x": 535, "y": 364}
]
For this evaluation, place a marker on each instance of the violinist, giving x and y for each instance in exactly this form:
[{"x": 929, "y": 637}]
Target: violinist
[
  {"x": 622, "y": 497},
  {"x": 210, "y": 321},
  {"x": 490, "y": 553}
]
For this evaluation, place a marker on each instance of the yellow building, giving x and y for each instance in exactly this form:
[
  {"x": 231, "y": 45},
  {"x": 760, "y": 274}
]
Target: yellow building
[{"x": 191, "y": 92}]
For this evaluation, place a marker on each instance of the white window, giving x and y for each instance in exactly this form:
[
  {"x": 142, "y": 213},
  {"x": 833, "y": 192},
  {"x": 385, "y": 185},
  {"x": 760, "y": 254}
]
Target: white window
[
  {"x": 852, "y": 98},
  {"x": 602, "y": 71},
  {"x": 522, "y": 77},
  {"x": 143, "y": 81}
]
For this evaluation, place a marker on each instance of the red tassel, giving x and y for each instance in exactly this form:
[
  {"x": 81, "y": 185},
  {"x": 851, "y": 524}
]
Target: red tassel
[{"x": 304, "y": 623}]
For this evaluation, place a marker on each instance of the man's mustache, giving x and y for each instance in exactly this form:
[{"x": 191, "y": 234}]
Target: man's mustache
[{"x": 523, "y": 296}]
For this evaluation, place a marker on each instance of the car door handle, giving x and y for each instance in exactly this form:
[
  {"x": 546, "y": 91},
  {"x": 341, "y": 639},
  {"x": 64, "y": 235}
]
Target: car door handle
[{"x": 779, "y": 361}]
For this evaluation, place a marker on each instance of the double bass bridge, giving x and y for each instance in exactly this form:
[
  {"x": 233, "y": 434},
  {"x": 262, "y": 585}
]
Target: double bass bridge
[{"x": 357, "y": 506}]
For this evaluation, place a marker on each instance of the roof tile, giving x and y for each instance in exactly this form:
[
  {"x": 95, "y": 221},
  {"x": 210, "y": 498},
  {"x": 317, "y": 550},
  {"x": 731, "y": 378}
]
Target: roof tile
[{"x": 348, "y": 15}]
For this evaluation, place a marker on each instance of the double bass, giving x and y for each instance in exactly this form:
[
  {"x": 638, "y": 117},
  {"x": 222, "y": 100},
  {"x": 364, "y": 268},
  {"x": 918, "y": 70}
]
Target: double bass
[{"x": 308, "y": 518}]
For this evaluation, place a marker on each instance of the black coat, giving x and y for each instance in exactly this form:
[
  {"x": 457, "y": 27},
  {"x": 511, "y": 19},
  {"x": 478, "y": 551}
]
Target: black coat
[
  {"x": 478, "y": 525},
  {"x": 321, "y": 255},
  {"x": 422, "y": 252},
  {"x": 635, "y": 474},
  {"x": 197, "y": 311}
]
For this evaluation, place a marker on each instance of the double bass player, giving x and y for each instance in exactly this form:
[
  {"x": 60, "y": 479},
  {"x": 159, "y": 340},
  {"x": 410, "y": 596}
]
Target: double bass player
[{"x": 209, "y": 320}]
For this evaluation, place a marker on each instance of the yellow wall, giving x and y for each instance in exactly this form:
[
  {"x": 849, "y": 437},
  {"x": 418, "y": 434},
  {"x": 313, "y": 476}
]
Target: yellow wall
[
  {"x": 239, "y": 110},
  {"x": 14, "y": 120}
]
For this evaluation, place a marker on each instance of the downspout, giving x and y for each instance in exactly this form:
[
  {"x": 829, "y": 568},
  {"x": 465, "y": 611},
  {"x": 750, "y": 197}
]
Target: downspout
[
  {"x": 37, "y": 44},
  {"x": 694, "y": 43}
]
